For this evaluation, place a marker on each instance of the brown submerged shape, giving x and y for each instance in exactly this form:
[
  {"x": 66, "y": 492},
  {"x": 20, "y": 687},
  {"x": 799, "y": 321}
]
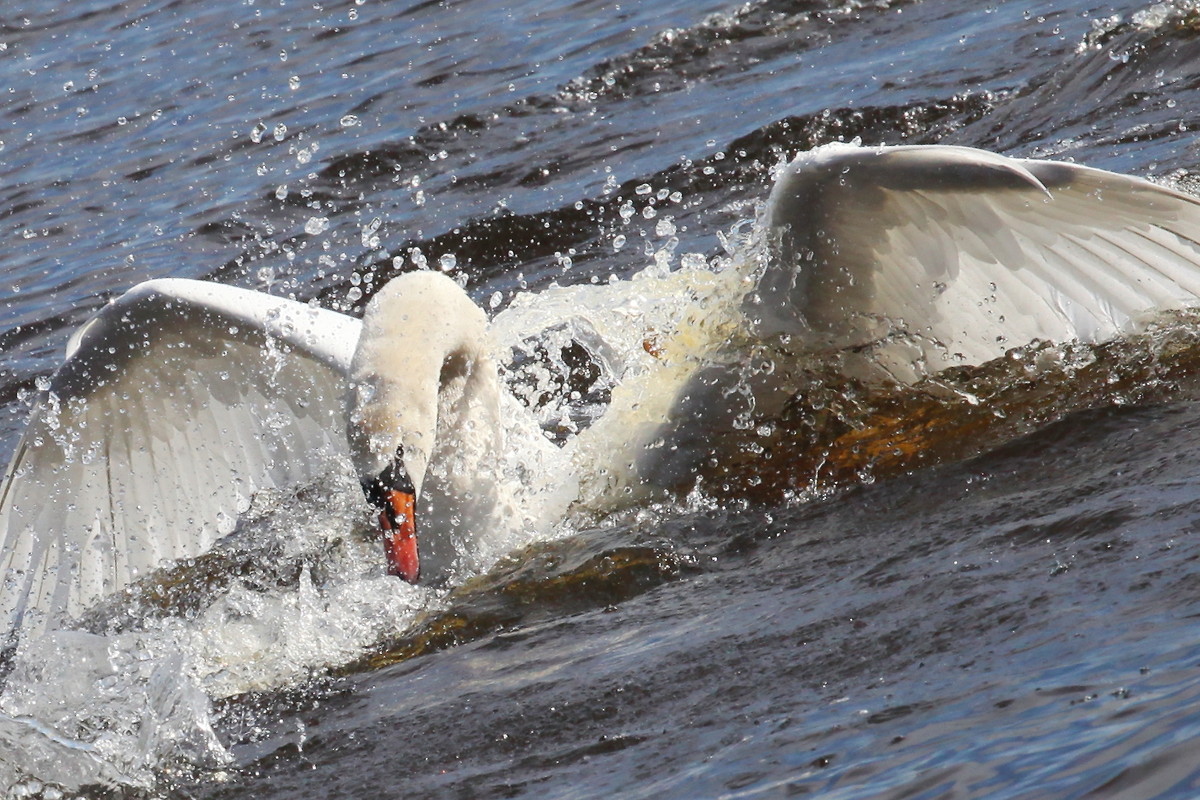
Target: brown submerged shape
[
  {"x": 545, "y": 583},
  {"x": 838, "y": 433}
]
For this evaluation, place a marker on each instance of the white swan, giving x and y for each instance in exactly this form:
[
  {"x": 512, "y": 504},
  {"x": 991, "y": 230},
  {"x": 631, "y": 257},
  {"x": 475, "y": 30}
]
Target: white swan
[{"x": 181, "y": 400}]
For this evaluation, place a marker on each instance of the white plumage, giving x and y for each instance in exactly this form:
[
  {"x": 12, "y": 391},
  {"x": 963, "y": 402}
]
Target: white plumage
[
  {"x": 932, "y": 257},
  {"x": 181, "y": 400}
]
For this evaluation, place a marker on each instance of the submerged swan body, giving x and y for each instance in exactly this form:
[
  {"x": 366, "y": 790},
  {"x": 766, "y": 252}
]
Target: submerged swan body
[{"x": 181, "y": 401}]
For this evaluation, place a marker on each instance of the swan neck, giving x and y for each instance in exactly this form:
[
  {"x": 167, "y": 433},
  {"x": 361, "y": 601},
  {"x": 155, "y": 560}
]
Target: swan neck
[{"x": 421, "y": 333}]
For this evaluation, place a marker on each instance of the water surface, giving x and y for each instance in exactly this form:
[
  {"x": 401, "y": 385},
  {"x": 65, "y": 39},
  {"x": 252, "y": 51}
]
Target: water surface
[{"x": 1013, "y": 619}]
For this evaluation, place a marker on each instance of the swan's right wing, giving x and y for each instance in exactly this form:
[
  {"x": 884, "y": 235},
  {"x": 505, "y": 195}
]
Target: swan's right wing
[
  {"x": 175, "y": 406},
  {"x": 927, "y": 257}
]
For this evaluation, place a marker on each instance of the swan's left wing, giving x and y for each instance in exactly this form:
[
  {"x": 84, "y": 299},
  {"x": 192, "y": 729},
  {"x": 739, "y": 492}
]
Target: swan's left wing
[
  {"x": 926, "y": 257},
  {"x": 176, "y": 404}
]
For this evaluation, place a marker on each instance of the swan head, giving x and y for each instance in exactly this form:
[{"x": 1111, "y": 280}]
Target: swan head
[{"x": 420, "y": 373}]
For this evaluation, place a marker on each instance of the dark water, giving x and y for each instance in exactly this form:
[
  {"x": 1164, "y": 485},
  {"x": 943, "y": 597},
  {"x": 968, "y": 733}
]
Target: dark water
[{"x": 1020, "y": 624}]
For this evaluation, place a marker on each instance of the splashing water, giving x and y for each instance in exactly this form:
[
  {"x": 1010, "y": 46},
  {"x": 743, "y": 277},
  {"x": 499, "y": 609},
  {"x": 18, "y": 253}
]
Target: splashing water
[{"x": 297, "y": 590}]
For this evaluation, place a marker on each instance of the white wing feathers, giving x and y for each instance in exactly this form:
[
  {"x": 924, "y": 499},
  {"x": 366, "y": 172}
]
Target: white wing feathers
[
  {"x": 175, "y": 405},
  {"x": 929, "y": 257}
]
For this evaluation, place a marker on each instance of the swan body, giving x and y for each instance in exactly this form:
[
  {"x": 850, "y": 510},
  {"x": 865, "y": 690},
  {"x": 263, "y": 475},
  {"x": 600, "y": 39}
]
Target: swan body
[{"x": 182, "y": 401}]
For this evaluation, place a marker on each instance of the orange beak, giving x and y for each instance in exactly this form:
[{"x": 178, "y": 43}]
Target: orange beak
[{"x": 398, "y": 524}]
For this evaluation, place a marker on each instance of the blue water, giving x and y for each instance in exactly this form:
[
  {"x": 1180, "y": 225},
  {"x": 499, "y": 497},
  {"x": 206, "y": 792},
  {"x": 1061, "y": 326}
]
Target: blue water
[{"x": 1018, "y": 625}]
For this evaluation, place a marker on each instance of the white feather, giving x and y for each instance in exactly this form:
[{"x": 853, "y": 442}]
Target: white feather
[
  {"x": 174, "y": 405},
  {"x": 930, "y": 257}
]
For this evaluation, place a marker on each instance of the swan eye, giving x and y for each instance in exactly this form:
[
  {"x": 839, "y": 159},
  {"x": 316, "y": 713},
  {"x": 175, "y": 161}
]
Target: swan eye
[{"x": 393, "y": 478}]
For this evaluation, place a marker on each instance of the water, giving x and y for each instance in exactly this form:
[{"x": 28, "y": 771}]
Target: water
[{"x": 1010, "y": 616}]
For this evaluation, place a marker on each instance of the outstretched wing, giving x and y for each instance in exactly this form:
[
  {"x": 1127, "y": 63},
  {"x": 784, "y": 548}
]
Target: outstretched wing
[
  {"x": 929, "y": 257},
  {"x": 175, "y": 405}
]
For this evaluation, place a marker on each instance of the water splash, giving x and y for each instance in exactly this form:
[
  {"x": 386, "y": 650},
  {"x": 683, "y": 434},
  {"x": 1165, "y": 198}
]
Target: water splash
[{"x": 298, "y": 590}]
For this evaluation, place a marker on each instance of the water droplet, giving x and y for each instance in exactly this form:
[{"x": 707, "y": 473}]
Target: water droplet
[
  {"x": 618, "y": 241},
  {"x": 369, "y": 238},
  {"x": 349, "y": 121},
  {"x": 281, "y": 192},
  {"x": 316, "y": 225},
  {"x": 279, "y": 132},
  {"x": 643, "y": 189},
  {"x": 256, "y": 133},
  {"x": 448, "y": 262},
  {"x": 294, "y": 82}
]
